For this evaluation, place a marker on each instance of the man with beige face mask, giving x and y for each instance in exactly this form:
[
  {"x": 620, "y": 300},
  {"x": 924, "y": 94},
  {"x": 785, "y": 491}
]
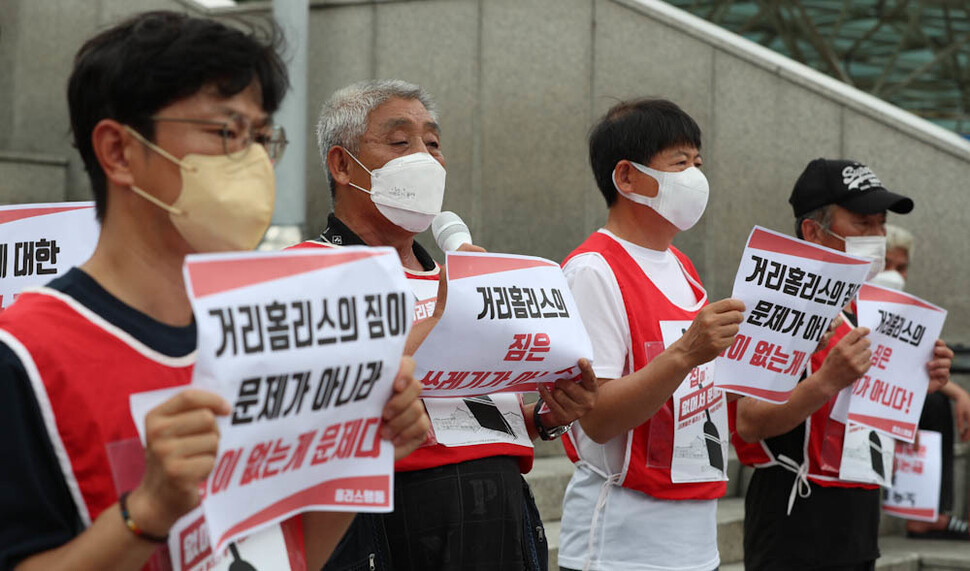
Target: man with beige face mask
[{"x": 171, "y": 116}]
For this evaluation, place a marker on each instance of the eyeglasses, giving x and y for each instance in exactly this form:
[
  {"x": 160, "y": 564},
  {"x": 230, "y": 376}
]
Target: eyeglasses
[{"x": 238, "y": 134}]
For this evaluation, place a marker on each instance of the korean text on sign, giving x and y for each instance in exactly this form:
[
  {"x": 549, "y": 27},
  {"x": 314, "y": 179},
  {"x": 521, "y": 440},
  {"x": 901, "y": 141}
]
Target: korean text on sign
[
  {"x": 305, "y": 346},
  {"x": 792, "y": 290},
  {"x": 904, "y": 330},
  {"x": 510, "y": 323},
  {"x": 915, "y": 493},
  {"x": 38, "y": 242}
]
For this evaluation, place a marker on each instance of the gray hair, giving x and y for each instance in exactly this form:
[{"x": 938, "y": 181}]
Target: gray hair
[
  {"x": 343, "y": 118},
  {"x": 897, "y": 237},
  {"x": 822, "y": 215}
]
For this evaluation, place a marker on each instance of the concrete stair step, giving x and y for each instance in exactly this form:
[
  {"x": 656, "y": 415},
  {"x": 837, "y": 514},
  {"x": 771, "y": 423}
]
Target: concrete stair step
[
  {"x": 547, "y": 448},
  {"x": 902, "y": 554},
  {"x": 931, "y": 555},
  {"x": 730, "y": 529},
  {"x": 552, "y": 537}
]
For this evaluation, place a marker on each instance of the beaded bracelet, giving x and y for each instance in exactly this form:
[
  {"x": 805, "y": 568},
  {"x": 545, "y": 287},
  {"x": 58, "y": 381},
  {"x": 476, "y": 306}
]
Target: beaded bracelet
[{"x": 130, "y": 523}]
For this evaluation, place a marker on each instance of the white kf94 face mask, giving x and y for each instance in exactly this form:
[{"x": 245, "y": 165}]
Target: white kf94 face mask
[
  {"x": 407, "y": 190},
  {"x": 681, "y": 196},
  {"x": 872, "y": 248}
]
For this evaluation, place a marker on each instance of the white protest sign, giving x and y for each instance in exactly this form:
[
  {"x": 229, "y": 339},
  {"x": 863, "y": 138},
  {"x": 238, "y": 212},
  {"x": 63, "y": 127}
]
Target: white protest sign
[
  {"x": 190, "y": 550},
  {"x": 510, "y": 323},
  {"x": 189, "y": 547},
  {"x": 38, "y": 242},
  {"x": 915, "y": 493},
  {"x": 904, "y": 330},
  {"x": 791, "y": 290},
  {"x": 305, "y": 346},
  {"x": 700, "y": 448},
  {"x": 867, "y": 456}
]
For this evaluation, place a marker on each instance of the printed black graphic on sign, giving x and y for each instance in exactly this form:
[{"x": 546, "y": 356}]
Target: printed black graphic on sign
[
  {"x": 488, "y": 415},
  {"x": 238, "y": 563},
  {"x": 875, "y": 451},
  {"x": 712, "y": 438}
]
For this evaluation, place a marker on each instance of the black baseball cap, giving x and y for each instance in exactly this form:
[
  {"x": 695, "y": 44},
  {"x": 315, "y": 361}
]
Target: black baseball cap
[{"x": 850, "y": 184}]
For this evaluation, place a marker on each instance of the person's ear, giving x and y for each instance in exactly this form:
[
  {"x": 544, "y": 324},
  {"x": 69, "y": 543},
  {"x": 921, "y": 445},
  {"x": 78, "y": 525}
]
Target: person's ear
[
  {"x": 812, "y": 231},
  {"x": 340, "y": 164},
  {"x": 113, "y": 146},
  {"x": 630, "y": 179}
]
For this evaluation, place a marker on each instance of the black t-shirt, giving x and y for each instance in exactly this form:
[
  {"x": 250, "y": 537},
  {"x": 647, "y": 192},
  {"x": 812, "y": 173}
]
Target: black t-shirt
[
  {"x": 340, "y": 234},
  {"x": 832, "y": 527},
  {"x": 37, "y": 511}
]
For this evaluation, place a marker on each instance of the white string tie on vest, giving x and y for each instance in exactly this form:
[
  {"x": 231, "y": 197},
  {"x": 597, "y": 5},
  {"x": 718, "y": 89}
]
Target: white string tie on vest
[
  {"x": 610, "y": 481},
  {"x": 802, "y": 487}
]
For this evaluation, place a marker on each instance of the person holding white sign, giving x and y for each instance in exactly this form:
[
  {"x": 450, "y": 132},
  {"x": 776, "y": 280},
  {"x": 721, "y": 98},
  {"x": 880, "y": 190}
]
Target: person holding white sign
[
  {"x": 937, "y": 415},
  {"x": 171, "y": 116},
  {"x": 651, "y": 455},
  {"x": 798, "y": 513},
  {"x": 455, "y": 506}
]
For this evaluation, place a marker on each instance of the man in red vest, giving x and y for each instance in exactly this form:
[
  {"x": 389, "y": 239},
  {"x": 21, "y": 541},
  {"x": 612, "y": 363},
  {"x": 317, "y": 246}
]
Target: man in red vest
[
  {"x": 651, "y": 455},
  {"x": 455, "y": 506},
  {"x": 798, "y": 513},
  {"x": 172, "y": 118}
]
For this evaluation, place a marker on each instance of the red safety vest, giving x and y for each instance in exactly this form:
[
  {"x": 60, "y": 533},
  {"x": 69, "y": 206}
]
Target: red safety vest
[
  {"x": 823, "y": 435},
  {"x": 425, "y": 287},
  {"x": 82, "y": 370},
  {"x": 646, "y": 306}
]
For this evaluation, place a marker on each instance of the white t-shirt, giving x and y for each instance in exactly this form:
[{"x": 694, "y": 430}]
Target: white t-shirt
[{"x": 604, "y": 525}]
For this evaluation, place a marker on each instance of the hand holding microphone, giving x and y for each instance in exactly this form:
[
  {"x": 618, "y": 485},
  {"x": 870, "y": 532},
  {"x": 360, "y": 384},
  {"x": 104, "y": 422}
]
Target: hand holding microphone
[{"x": 452, "y": 235}]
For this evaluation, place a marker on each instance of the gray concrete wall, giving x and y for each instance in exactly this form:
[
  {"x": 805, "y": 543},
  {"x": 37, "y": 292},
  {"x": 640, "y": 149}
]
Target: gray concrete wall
[
  {"x": 27, "y": 178},
  {"x": 519, "y": 84}
]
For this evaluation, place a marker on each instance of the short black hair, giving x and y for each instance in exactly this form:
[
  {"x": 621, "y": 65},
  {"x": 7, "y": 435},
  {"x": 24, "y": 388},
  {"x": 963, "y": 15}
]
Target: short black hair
[
  {"x": 636, "y": 130},
  {"x": 130, "y": 71}
]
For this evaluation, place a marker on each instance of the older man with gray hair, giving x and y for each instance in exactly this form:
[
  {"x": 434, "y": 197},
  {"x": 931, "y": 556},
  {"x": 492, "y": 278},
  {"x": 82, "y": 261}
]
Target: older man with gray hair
[
  {"x": 456, "y": 507},
  {"x": 937, "y": 414}
]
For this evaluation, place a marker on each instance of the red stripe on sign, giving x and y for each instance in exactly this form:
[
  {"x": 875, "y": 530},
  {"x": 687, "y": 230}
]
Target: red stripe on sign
[
  {"x": 876, "y": 293},
  {"x": 470, "y": 266},
  {"x": 777, "y": 397},
  {"x": 322, "y": 495},
  {"x": 894, "y": 428},
  {"x": 780, "y": 244},
  {"x": 21, "y": 213},
  {"x": 928, "y": 513},
  {"x": 217, "y": 276}
]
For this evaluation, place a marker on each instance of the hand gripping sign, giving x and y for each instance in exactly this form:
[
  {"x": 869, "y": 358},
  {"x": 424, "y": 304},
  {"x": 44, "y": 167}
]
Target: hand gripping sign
[
  {"x": 792, "y": 289},
  {"x": 889, "y": 397},
  {"x": 305, "y": 346},
  {"x": 510, "y": 323},
  {"x": 915, "y": 493},
  {"x": 38, "y": 242},
  {"x": 700, "y": 447},
  {"x": 276, "y": 546}
]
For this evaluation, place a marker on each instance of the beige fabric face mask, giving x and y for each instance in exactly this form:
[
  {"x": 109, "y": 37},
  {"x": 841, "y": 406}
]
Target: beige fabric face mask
[{"x": 226, "y": 204}]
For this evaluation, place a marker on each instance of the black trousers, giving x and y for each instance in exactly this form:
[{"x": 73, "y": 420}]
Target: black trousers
[{"x": 475, "y": 515}]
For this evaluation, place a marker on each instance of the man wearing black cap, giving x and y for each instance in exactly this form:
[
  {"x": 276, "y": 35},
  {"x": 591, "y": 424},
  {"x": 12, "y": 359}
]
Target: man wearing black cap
[{"x": 798, "y": 514}]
